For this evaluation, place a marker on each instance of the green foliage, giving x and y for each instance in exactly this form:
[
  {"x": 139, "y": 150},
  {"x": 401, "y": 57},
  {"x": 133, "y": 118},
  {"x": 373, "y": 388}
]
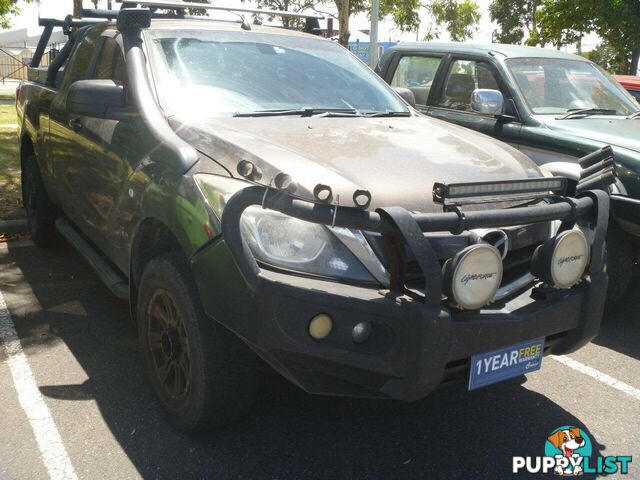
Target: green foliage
[
  {"x": 8, "y": 9},
  {"x": 287, "y": 6},
  {"x": 198, "y": 11},
  {"x": 563, "y": 22},
  {"x": 607, "y": 57},
  {"x": 513, "y": 18},
  {"x": 458, "y": 17},
  {"x": 404, "y": 13},
  {"x": 554, "y": 25},
  {"x": 10, "y": 197},
  {"x": 615, "y": 21}
]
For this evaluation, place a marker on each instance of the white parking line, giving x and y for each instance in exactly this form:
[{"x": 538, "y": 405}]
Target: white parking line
[
  {"x": 54, "y": 454},
  {"x": 598, "y": 375}
]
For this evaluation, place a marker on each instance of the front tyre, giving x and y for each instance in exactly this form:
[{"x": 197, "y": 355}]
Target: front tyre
[
  {"x": 201, "y": 373},
  {"x": 40, "y": 210}
]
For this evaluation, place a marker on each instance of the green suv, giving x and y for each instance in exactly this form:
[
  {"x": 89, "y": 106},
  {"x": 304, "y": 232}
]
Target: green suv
[
  {"x": 259, "y": 194},
  {"x": 552, "y": 106}
]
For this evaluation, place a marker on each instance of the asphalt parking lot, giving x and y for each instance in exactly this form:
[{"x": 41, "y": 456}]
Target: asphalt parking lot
[{"x": 78, "y": 346}]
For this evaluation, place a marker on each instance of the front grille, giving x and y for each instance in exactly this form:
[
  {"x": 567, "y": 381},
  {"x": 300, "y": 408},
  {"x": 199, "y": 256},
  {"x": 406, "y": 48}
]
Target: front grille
[
  {"x": 515, "y": 265},
  {"x": 523, "y": 241}
]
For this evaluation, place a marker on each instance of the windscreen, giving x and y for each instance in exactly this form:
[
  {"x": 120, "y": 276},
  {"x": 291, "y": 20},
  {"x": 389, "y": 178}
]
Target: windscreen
[
  {"x": 225, "y": 73},
  {"x": 554, "y": 86}
]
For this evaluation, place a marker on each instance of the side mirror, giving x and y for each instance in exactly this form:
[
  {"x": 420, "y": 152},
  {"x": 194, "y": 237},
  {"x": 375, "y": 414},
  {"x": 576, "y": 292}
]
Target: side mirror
[
  {"x": 406, "y": 94},
  {"x": 489, "y": 102},
  {"x": 95, "y": 98}
]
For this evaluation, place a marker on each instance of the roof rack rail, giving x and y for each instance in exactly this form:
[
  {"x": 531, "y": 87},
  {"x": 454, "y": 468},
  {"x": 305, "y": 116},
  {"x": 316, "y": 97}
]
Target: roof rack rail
[
  {"x": 92, "y": 13},
  {"x": 180, "y": 5}
]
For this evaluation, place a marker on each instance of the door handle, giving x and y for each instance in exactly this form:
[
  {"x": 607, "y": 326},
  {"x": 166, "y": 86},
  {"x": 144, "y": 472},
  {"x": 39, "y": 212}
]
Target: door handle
[{"x": 76, "y": 124}]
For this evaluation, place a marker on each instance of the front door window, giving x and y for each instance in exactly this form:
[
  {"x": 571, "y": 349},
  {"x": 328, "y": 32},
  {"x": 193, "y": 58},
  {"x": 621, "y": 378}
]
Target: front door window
[{"x": 463, "y": 77}]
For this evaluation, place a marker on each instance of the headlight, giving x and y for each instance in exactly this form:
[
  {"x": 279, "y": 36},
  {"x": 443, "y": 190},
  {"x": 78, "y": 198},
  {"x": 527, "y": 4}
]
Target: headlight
[
  {"x": 286, "y": 242},
  {"x": 472, "y": 277},
  {"x": 561, "y": 261}
]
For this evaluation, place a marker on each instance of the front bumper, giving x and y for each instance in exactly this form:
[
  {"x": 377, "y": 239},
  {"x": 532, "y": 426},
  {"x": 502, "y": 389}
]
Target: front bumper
[
  {"x": 416, "y": 344},
  {"x": 412, "y": 349}
]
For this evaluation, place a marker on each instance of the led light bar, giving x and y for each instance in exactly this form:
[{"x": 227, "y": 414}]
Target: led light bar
[
  {"x": 172, "y": 5},
  {"x": 482, "y": 192}
]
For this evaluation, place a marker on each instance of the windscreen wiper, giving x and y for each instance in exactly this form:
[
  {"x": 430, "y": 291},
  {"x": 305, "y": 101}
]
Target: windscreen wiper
[
  {"x": 303, "y": 112},
  {"x": 388, "y": 114},
  {"x": 634, "y": 115},
  {"x": 586, "y": 111}
]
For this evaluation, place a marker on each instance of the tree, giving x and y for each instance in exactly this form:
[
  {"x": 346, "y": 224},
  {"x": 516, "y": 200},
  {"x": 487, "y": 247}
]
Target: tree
[
  {"x": 607, "y": 57},
  {"x": 289, "y": 6},
  {"x": 346, "y": 8},
  {"x": 8, "y": 9},
  {"x": 554, "y": 27},
  {"x": 615, "y": 21},
  {"x": 77, "y": 8},
  {"x": 513, "y": 18},
  {"x": 459, "y": 19}
]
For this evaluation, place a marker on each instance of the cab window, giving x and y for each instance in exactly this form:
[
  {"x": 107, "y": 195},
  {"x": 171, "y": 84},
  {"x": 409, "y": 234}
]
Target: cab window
[
  {"x": 81, "y": 59},
  {"x": 110, "y": 64},
  {"x": 416, "y": 73},
  {"x": 463, "y": 77}
]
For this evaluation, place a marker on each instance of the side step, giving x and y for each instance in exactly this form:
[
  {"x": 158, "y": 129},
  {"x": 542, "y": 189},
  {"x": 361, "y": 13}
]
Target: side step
[{"x": 114, "y": 281}]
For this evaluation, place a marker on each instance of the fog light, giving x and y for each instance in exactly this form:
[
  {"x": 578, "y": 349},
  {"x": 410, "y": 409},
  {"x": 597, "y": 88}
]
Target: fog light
[
  {"x": 320, "y": 326},
  {"x": 472, "y": 277},
  {"x": 561, "y": 261},
  {"x": 361, "y": 332}
]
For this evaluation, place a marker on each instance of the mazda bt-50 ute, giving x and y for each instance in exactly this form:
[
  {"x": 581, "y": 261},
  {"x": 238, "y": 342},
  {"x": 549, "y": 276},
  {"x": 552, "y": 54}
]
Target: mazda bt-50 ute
[{"x": 258, "y": 193}]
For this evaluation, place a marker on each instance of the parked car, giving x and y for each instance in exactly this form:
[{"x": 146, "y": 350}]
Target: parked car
[
  {"x": 631, "y": 83},
  {"x": 552, "y": 106},
  {"x": 256, "y": 189}
]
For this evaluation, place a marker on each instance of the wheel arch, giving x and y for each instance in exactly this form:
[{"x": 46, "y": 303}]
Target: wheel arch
[
  {"x": 152, "y": 237},
  {"x": 27, "y": 148}
]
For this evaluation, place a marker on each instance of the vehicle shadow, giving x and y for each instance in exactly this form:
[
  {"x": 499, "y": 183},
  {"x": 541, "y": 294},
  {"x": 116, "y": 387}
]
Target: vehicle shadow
[
  {"x": 621, "y": 327},
  {"x": 289, "y": 434}
]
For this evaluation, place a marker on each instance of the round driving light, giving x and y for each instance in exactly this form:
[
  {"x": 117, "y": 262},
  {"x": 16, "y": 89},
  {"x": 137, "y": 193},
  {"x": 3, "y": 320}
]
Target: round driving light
[
  {"x": 472, "y": 277},
  {"x": 561, "y": 261},
  {"x": 320, "y": 326}
]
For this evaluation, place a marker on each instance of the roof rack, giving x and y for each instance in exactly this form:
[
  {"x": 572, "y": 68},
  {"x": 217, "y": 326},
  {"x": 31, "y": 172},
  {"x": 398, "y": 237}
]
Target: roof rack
[
  {"x": 92, "y": 16},
  {"x": 180, "y": 5}
]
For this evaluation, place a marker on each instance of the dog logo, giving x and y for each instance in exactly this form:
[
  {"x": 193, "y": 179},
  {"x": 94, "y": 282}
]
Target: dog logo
[
  {"x": 569, "y": 443},
  {"x": 568, "y": 453}
]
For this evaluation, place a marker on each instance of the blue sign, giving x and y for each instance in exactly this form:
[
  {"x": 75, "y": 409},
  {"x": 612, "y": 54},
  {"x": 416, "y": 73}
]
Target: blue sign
[
  {"x": 361, "y": 49},
  {"x": 509, "y": 362}
]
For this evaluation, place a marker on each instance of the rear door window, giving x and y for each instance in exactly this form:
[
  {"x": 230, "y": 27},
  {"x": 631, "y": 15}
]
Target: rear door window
[{"x": 416, "y": 72}]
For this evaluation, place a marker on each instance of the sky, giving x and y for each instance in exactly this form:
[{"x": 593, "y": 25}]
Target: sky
[{"x": 387, "y": 31}]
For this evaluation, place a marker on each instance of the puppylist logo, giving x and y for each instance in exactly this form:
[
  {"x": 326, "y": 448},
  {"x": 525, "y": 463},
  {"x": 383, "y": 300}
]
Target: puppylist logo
[{"x": 567, "y": 452}]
